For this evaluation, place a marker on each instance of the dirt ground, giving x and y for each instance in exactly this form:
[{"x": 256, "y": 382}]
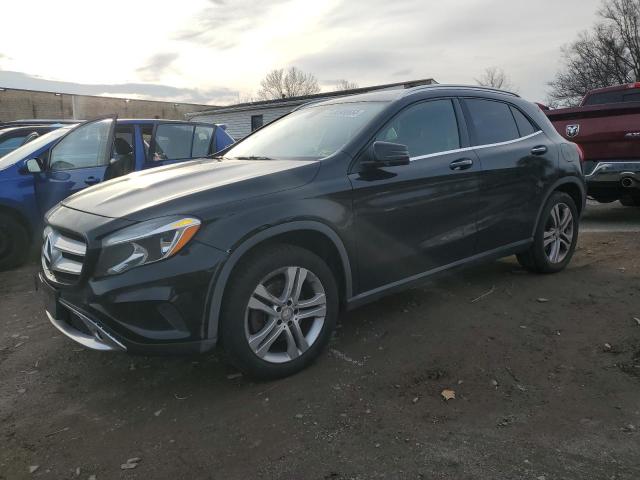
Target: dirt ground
[{"x": 545, "y": 369}]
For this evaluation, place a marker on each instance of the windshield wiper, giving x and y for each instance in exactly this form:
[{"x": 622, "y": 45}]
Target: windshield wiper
[{"x": 253, "y": 157}]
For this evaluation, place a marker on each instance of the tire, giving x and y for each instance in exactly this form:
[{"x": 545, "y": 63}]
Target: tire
[
  {"x": 15, "y": 244},
  {"x": 281, "y": 343},
  {"x": 561, "y": 244}
]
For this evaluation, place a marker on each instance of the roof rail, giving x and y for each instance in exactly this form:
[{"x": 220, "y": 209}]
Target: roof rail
[{"x": 467, "y": 87}]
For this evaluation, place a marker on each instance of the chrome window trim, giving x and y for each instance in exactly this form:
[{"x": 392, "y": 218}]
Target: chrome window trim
[{"x": 477, "y": 147}]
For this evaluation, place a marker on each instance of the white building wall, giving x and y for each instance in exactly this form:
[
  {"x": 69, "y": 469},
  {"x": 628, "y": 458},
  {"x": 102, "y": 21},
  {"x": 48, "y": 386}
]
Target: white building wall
[{"x": 239, "y": 123}]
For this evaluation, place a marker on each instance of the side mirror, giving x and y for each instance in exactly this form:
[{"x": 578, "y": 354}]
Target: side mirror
[
  {"x": 387, "y": 154},
  {"x": 32, "y": 166}
]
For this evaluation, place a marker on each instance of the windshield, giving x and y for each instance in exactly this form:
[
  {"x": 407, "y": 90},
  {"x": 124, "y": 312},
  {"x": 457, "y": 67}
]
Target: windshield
[
  {"x": 34, "y": 145},
  {"x": 308, "y": 134}
]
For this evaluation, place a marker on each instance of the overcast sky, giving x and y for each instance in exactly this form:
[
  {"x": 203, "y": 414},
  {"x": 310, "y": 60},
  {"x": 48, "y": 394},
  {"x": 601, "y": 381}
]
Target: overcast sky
[{"x": 213, "y": 51}]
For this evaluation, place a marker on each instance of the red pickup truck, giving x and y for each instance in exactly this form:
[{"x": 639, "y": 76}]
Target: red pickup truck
[{"x": 606, "y": 126}]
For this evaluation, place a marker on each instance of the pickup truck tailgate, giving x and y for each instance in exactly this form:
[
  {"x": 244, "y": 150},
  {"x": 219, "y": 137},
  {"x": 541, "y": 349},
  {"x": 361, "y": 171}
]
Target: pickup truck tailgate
[{"x": 605, "y": 132}]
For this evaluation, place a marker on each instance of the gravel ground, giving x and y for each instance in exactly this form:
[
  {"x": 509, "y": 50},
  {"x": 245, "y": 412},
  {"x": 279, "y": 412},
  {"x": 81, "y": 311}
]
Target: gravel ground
[{"x": 545, "y": 370}]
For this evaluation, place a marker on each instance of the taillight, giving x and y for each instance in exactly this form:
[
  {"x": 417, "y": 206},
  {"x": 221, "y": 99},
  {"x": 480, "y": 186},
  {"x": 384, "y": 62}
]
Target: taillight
[{"x": 634, "y": 85}]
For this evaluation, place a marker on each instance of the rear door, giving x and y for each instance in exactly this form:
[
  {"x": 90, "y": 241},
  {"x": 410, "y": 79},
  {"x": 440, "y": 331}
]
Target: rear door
[
  {"x": 78, "y": 160},
  {"x": 516, "y": 156}
]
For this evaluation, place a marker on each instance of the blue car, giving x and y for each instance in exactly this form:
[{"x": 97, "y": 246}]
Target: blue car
[{"x": 41, "y": 173}]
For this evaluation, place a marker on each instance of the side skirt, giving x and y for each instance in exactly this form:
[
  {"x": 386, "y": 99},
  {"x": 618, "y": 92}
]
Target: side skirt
[{"x": 413, "y": 280}]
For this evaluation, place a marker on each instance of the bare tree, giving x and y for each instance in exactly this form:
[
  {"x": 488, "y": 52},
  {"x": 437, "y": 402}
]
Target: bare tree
[
  {"x": 495, "y": 77},
  {"x": 290, "y": 83},
  {"x": 607, "y": 55},
  {"x": 245, "y": 97},
  {"x": 345, "y": 85}
]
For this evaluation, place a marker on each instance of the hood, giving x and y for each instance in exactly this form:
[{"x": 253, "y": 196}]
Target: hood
[{"x": 191, "y": 187}]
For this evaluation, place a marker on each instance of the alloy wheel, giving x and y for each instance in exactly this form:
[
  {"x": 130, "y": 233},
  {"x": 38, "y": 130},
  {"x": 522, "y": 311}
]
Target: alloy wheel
[
  {"x": 558, "y": 233},
  {"x": 285, "y": 314}
]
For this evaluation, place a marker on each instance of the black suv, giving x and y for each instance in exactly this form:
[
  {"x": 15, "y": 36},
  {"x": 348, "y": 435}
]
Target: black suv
[{"x": 329, "y": 207}]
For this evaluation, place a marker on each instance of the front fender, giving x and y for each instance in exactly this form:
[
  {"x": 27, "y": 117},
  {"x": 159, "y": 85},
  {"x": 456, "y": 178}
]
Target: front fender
[{"x": 218, "y": 284}]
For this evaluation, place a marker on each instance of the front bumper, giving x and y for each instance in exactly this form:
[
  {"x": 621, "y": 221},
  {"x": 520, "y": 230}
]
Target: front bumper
[
  {"x": 86, "y": 332},
  {"x": 159, "y": 308}
]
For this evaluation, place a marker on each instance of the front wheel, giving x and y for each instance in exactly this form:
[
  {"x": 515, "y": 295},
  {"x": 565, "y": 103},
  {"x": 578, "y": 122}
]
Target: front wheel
[
  {"x": 14, "y": 243},
  {"x": 279, "y": 310},
  {"x": 555, "y": 238}
]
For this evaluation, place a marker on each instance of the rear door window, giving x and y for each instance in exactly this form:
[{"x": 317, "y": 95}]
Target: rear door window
[
  {"x": 202, "y": 141},
  {"x": 425, "y": 128},
  {"x": 492, "y": 121},
  {"x": 525, "y": 126},
  {"x": 172, "y": 142}
]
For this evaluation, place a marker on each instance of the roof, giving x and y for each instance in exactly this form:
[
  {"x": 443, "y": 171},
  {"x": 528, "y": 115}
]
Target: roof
[
  {"x": 156, "y": 120},
  {"x": 16, "y": 128},
  {"x": 296, "y": 101},
  {"x": 36, "y": 121},
  {"x": 391, "y": 95}
]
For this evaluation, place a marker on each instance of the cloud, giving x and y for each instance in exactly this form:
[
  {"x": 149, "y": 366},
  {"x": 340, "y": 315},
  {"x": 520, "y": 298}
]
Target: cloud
[
  {"x": 452, "y": 41},
  {"x": 222, "y": 24},
  {"x": 209, "y": 96},
  {"x": 157, "y": 65}
]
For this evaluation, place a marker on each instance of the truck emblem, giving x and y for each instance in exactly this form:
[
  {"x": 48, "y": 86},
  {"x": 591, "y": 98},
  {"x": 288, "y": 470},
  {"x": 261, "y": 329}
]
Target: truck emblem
[{"x": 573, "y": 130}]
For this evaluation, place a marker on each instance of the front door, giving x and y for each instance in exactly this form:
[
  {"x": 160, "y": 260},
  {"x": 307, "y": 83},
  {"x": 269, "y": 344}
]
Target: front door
[
  {"x": 78, "y": 160},
  {"x": 418, "y": 217}
]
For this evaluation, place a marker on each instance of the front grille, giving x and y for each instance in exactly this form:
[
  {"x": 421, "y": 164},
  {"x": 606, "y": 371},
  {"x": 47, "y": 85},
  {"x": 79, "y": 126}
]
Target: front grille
[{"x": 62, "y": 256}]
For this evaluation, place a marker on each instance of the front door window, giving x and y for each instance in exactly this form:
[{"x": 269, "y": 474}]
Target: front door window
[{"x": 85, "y": 147}]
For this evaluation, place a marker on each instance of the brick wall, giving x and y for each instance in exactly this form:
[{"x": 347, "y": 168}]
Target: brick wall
[{"x": 21, "y": 104}]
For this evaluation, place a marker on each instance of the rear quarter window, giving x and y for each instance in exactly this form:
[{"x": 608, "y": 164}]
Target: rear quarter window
[{"x": 525, "y": 127}]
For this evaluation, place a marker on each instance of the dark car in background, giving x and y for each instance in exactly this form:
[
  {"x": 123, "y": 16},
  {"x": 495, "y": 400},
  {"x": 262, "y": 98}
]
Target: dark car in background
[
  {"x": 14, "y": 137},
  {"x": 606, "y": 126},
  {"x": 36, "y": 176},
  {"x": 327, "y": 208},
  {"x": 39, "y": 121}
]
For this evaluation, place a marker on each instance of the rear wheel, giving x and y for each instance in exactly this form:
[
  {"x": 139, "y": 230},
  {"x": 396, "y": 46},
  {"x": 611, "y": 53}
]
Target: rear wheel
[
  {"x": 555, "y": 238},
  {"x": 14, "y": 242},
  {"x": 279, "y": 311}
]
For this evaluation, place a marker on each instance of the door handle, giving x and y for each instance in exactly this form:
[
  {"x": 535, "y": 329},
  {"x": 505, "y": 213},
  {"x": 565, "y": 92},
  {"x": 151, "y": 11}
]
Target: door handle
[
  {"x": 539, "y": 150},
  {"x": 461, "y": 164},
  {"x": 92, "y": 180}
]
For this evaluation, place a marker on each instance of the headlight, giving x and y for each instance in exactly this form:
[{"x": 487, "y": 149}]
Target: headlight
[{"x": 144, "y": 243}]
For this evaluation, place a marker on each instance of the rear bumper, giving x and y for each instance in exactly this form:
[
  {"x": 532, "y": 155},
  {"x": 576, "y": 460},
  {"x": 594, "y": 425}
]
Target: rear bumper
[
  {"x": 613, "y": 179},
  {"x": 613, "y": 171}
]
